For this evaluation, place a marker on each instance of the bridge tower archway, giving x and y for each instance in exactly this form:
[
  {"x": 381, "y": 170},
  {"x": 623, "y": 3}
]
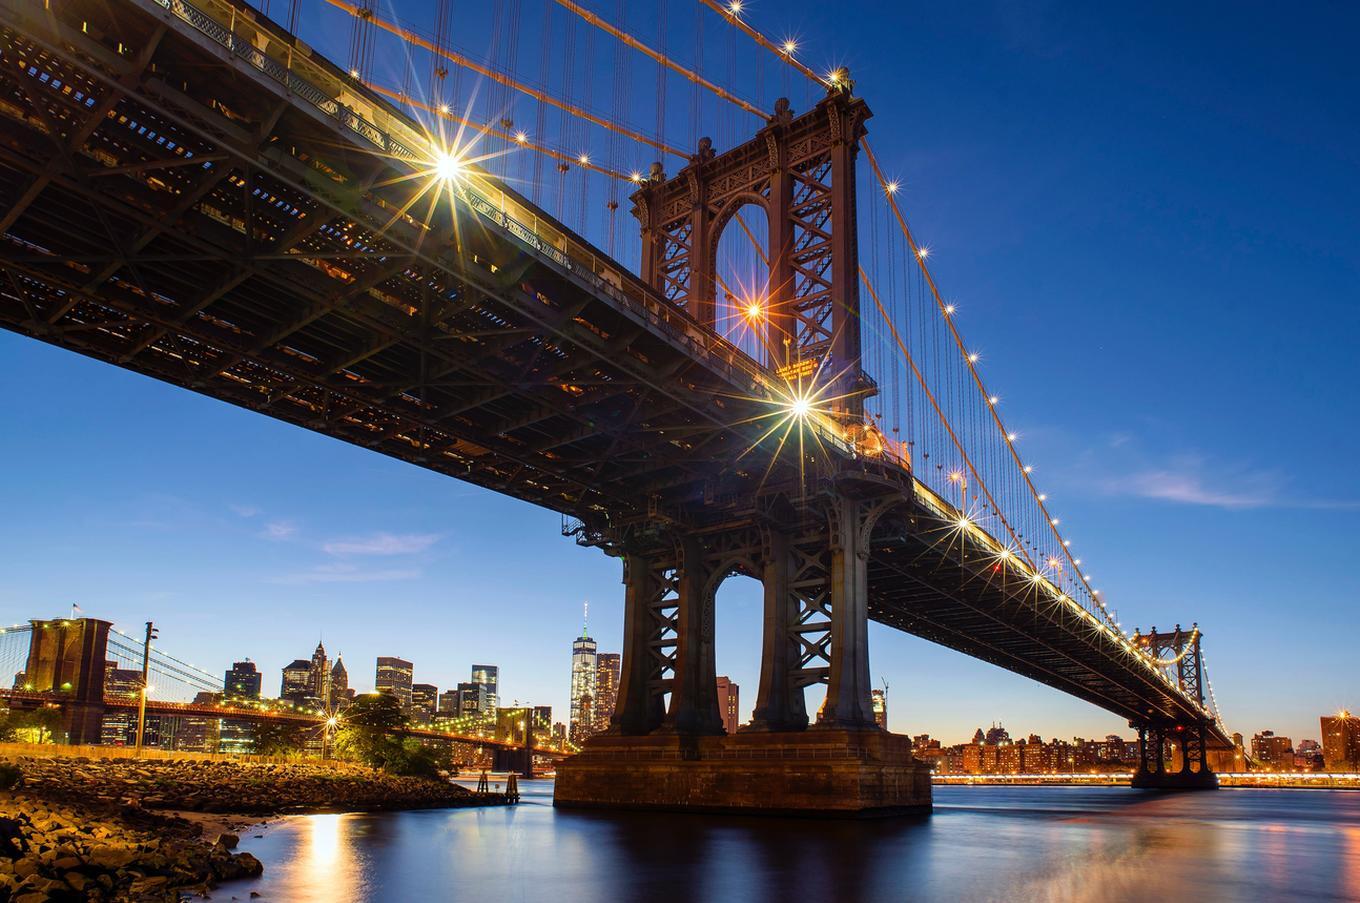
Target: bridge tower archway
[
  {"x": 801, "y": 169},
  {"x": 744, "y": 291}
]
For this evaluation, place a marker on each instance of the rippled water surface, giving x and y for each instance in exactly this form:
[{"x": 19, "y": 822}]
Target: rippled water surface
[{"x": 981, "y": 843}]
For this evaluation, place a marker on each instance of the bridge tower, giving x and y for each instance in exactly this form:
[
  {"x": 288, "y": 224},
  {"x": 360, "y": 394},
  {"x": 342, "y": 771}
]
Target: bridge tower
[
  {"x": 67, "y": 658},
  {"x": 1175, "y": 755},
  {"x": 800, "y": 171},
  {"x": 806, "y": 540}
]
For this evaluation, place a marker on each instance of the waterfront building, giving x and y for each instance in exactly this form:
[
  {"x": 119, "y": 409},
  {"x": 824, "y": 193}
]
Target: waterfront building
[
  {"x": 584, "y": 674},
  {"x": 997, "y": 735},
  {"x": 1341, "y": 741},
  {"x": 243, "y": 681},
  {"x": 929, "y": 751},
  {"x": 489, "y": 677},
  {"x": 1271, "y": 752},
  {"x": 1308, "y": 756},
  {"x": 607, "y": 665},
  {"x": 199, "y": 733},
  {"x": 729, "y": 703},
  {"x": 296, "y": 686},
  {"x": 235, "y": 736},
  {"x": 424, "y": 700},
  {"x": 394, "y": 676},
  {"x": 879, "y": 699}
]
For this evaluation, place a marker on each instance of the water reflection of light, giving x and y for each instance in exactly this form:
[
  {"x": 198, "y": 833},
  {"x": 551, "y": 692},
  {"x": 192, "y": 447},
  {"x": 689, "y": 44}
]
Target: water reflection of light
[
  {"x": 1350, "y": 869},
  {"x": 325, "y": 865}
]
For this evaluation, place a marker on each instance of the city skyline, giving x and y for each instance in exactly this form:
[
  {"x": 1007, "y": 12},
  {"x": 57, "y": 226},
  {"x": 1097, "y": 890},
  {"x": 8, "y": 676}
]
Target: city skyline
[
  {"x": 1135, "y": 388},
  {"x": 1335, "y": 729}
]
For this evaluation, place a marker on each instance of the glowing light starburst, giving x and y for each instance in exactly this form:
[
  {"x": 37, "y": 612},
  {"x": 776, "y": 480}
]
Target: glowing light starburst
[
  {"x": 800, "y": 411},
  {"x": 447, "y": 166}
]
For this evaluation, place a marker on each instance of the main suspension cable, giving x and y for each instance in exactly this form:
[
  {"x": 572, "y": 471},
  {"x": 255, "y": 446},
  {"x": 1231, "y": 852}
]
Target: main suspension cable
[
  {"x": 501, "y": 78},
  {"x": 659, "y": 57}
]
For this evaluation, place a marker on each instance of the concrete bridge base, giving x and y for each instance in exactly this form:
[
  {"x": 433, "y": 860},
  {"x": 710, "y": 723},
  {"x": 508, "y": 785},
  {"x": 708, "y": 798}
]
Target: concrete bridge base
[
  {"x": 1175, "y": 780},
  {"x": 822, "y": 772}
]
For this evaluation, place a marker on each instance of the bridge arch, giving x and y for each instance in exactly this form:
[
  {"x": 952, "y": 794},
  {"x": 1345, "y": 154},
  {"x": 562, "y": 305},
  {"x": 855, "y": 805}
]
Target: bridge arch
[
  {"x": 745, "y": 301},
  {"x": 736, "y": 593}
]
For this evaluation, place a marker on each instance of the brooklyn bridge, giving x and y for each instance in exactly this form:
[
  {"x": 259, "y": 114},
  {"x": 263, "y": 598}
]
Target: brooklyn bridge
[{"x": 189, "y": 191}]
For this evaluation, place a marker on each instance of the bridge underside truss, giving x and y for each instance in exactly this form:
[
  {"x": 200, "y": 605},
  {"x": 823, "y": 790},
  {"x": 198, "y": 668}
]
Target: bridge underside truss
[{"x": 166, "y": 206}]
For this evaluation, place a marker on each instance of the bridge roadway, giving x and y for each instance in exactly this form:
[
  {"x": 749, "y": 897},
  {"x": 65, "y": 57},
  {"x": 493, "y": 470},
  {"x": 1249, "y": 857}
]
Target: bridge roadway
[{"x": 189, "y": 194}]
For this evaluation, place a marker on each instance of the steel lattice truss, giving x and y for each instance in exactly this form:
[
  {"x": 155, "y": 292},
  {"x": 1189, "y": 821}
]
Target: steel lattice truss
[{"x": 241, "y": 244}]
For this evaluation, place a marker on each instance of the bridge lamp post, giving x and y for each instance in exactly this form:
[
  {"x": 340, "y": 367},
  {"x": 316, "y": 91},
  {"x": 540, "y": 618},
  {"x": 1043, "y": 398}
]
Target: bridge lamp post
[
  {"x": 151, "y": 634},
  {"x": 327, "y": 730}
]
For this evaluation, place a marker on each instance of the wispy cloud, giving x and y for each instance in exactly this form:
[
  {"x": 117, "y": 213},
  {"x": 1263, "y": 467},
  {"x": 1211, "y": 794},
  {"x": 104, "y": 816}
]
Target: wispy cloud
[
  {"x": 1190, "y": 479},
  {"x": 345, "y": 572},
  {"x": 381, "y": 544},
  {"x": 278, "y": 529},
  {"x": 244, "y": 510},
  {"x": 1192, "y": 489}
]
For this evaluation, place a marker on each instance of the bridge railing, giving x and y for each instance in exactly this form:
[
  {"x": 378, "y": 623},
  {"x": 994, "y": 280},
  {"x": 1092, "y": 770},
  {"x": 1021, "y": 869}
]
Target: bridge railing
[{"x": 1084, "y": 609}]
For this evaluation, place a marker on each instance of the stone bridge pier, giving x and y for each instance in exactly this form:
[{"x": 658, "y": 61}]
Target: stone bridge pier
[{"x": 667, "y": 747}]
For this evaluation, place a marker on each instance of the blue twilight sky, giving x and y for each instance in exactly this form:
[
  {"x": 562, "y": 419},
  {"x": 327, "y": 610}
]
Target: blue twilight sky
[{"x": 1148, "y": 218}]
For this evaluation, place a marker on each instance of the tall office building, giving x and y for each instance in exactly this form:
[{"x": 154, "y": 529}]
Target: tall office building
[
  {"x": 297, "y": 682},
  {"x": 879, "y": 700},
  {"x": 472, "y": 699},
  {"x": 119, "y": 727},
  {"x": 394, "y": 676},
  {"x": 1341, "y": 741},
  {"x": 243, "y": 681},
  {"x": 450, "y": 702},
  {"x": 320, "y": 673},
  {"x": 340, "y": 691},
  {"x": 606, "y": 688},
  {"x": 729, "y": 703},
  {"x": 489, "y": 677},
  {"x": 584, "y": 676},
  {"x": 424, "y": 699}
]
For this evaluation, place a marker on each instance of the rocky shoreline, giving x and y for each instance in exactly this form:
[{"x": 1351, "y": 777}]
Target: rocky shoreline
[{"x": 106, "y": 829}]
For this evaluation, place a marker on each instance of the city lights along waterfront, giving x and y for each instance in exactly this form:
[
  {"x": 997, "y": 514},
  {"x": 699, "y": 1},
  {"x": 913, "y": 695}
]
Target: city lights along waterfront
[{"x": 710, "y": 341}]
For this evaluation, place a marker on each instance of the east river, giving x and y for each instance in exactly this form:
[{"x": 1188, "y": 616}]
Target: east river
[{"x": 981, "y": 843}]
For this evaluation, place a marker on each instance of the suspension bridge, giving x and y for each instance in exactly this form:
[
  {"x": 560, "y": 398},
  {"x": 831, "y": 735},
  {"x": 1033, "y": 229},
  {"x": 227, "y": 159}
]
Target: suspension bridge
[
  {"x": 92, "y": 671},
  {"x": 421, "y": 252}
]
